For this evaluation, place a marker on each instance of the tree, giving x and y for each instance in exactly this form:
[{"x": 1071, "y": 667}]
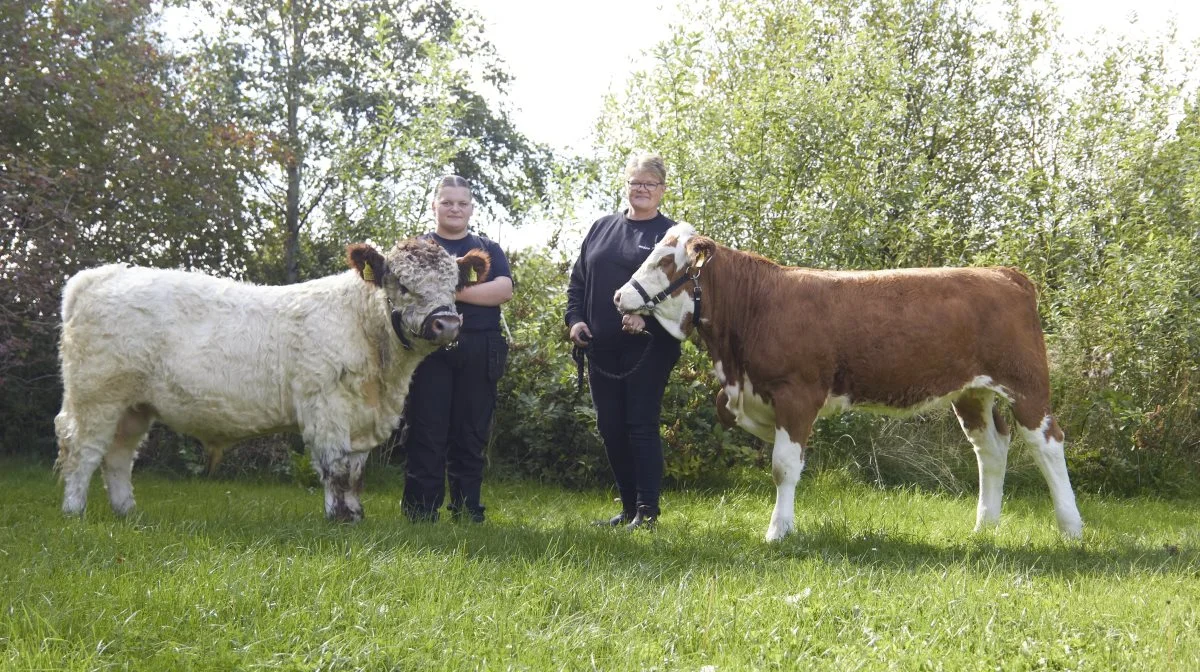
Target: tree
[
  {"x": 362, "y": 103},
  {"x": 892, "y": 133},
  {"x": 101, "y": 159}
]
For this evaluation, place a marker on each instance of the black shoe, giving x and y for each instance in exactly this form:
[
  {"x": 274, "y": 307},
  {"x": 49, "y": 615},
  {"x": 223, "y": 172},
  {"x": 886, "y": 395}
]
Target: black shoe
[
  {"x": 418, "y": 515},
  {"x": 646, "y": 519},
  {"x": 469, "y": 515},
  {"x": 616, "y": 521}
]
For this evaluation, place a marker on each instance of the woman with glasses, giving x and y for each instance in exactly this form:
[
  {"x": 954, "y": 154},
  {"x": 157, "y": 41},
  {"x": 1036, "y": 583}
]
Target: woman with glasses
[{"x": 636, "y": 353}]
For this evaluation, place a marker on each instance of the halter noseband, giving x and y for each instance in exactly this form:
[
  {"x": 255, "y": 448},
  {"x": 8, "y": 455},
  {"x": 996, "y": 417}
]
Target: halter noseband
[{"x": 652, "y": 302}]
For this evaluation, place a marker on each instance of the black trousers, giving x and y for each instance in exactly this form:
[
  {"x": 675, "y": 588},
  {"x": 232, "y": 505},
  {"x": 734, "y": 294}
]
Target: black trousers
[
  {"x": 628, "y": 413},
  {"x": 450, "y": 405}
]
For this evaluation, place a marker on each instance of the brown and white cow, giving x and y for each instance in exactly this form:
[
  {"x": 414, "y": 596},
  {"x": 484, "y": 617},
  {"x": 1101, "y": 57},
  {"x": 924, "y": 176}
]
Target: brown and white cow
[
  {"x": 792, "y": 344},
  {"x": 223, "y": 361}
]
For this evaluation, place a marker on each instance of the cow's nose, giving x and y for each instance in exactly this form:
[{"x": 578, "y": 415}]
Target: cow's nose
[
  {"x": 441, "y": 326},
  {"x": 617, "y": 298}
]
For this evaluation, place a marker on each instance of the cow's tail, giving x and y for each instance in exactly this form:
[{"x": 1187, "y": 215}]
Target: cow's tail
[
  {"x": 1021, "y": 280},
  {"x": 65, "y": 430},
  {"x": 81, "y": 282},
  {"x": 65, "y": 426}
]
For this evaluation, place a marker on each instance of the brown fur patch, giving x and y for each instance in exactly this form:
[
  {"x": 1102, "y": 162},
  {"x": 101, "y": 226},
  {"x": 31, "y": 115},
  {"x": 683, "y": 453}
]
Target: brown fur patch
[
  {"x": 475, "y": 263},
  {"x": 361, "y": 257},
  {"x": 970, "y": 412},
  {"x": 1054, "y": 431},
  {"x": 892, "y": 338}
]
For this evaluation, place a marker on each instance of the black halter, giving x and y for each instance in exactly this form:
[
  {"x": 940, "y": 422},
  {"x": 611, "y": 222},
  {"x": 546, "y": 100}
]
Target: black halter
[{"x": 652, "y": 302}]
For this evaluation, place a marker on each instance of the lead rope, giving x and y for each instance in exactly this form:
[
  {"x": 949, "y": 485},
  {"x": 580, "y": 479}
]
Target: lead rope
[{"x": 578, "y": 354}]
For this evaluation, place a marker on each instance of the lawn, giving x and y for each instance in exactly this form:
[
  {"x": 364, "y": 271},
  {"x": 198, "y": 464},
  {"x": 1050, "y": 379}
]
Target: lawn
[{"x": 229, "y": 575}]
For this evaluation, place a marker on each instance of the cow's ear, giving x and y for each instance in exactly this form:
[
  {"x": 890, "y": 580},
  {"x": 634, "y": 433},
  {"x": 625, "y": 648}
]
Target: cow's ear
[
  {"x": 699, "y": 250},
  {"x": 473, "y": 268},
  {"x": 367, "y": 261}
]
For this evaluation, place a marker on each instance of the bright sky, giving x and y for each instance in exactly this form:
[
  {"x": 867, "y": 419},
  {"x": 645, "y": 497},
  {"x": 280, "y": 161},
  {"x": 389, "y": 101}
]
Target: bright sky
[{"x": 565, "y": 55}]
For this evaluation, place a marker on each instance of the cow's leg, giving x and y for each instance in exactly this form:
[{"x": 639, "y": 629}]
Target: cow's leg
[
  {"x": 357, "y": 463},
  {"x": 216, "y": 453},
  {"x": 794, "y": 416},
  {"x": 726, "y": 418},
  {"x": 83, "y": 441},
  {"x": 989, "y": 435},
  {"x": 1041, "y": 430},
  {"x": 118, "y": 461},
  {"x": 331, "y": 457}
]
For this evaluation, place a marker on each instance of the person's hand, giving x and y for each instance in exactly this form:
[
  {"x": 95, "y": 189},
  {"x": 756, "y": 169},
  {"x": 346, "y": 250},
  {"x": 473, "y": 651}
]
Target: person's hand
[
  {"x": 580, "y": 334},
  {"x": 633, "y": 324}
]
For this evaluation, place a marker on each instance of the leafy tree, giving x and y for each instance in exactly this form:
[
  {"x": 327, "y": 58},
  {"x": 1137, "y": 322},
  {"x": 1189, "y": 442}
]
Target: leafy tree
[
  {"x": 361, "y": 104},
  {"x": 891, "y": 133},
  {"x": 101, "y": 159}
]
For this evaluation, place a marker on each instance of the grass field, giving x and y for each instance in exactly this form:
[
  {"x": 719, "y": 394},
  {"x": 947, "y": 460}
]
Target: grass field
[{"x": 227, "y": 575}]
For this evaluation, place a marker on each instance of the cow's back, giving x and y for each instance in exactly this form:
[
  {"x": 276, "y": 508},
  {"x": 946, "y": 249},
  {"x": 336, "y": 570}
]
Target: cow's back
[
  {"x": 900, "y": 338},
  {"x": 206, "y": 354}
]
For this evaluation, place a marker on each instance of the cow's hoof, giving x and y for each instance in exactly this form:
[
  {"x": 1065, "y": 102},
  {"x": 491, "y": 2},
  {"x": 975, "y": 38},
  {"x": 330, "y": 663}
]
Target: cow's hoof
[
  {"x": 1071, "y": 529},
  {"x": 777, "y": 531},
  {"x": 343, "y": 515}
]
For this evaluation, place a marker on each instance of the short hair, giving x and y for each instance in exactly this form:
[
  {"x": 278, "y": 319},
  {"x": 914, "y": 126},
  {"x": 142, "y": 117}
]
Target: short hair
[
  {"x": 647, "y": 162},
  {"x": 451, "y": 181}
]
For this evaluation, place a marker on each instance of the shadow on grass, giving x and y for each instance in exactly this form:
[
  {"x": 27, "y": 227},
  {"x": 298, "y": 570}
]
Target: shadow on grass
[
  {"x": 680, "y": 546},
  {"x": 676, "y": 550}
]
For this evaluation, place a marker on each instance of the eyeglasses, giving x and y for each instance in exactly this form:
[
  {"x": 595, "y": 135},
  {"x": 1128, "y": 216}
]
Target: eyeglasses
[{"x": 648, "y": 186}]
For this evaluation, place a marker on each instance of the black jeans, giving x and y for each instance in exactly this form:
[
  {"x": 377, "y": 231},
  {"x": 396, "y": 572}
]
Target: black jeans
[
  {"x": 450, "y": 405},
  {"x": 628, "y": 414}
]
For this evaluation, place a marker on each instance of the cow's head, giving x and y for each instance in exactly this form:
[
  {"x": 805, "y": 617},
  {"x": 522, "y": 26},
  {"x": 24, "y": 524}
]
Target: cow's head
[
  {"x": 419, "y": 279},
  {"x": 666, "y": 285}
]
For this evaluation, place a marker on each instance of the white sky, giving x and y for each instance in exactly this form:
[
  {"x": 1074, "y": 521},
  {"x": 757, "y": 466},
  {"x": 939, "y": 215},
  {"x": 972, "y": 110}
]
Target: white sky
[{"x": 565, "y": 55}]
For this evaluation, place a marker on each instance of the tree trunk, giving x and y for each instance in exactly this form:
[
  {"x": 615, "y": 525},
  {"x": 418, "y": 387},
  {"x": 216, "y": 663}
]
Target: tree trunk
[{"x": 295, "y": 155}]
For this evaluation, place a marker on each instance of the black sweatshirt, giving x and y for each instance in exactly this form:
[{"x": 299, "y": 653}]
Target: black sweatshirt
[
  {"x": 612, "y": 250},
  {"x": 477, "y": 318}
]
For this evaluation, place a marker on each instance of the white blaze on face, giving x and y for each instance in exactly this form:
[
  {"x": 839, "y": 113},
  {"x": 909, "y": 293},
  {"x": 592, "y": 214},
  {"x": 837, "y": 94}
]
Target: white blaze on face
[{"x": 652, "y": 276}]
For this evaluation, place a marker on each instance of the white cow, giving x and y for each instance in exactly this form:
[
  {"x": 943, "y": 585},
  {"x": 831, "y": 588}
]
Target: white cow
[{"x": 223, "y": 361}]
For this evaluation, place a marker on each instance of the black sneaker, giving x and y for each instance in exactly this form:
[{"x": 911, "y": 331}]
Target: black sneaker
[
  {"x": 616, "y": 521},
  {"x": 470, "y": 515},
  {"x": 646, "y": 519},
  {"x": 419, "y": 515}
]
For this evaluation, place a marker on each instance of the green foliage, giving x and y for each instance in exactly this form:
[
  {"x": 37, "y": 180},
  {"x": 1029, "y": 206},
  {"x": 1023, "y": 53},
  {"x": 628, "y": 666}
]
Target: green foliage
[
  {"x": 102, "y": 159},
  {"x": 358, "y": 105},
  {"x": 895, "y": 133},
  {"x": 834, "y": 133},
  {"x": 544, "y": 426}
]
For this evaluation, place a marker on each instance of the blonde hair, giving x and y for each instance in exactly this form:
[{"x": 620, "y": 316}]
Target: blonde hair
[
  {"x": 451, "y": 181},
  {"x": 647, "y": 162}
]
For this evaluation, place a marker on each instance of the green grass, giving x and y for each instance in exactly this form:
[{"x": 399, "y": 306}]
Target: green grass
[{"x": 235, "y": 575}]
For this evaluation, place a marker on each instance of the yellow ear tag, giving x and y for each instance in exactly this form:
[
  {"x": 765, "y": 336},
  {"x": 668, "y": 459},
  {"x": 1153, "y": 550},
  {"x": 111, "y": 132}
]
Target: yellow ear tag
[
  {"x": 700, "y": 260},
  {"x": 472, "y": 275},
  {"x": 367, "y": 273}
]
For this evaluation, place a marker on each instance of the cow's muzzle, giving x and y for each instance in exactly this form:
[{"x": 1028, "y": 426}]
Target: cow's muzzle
[{"x": 440, "y": 327}]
